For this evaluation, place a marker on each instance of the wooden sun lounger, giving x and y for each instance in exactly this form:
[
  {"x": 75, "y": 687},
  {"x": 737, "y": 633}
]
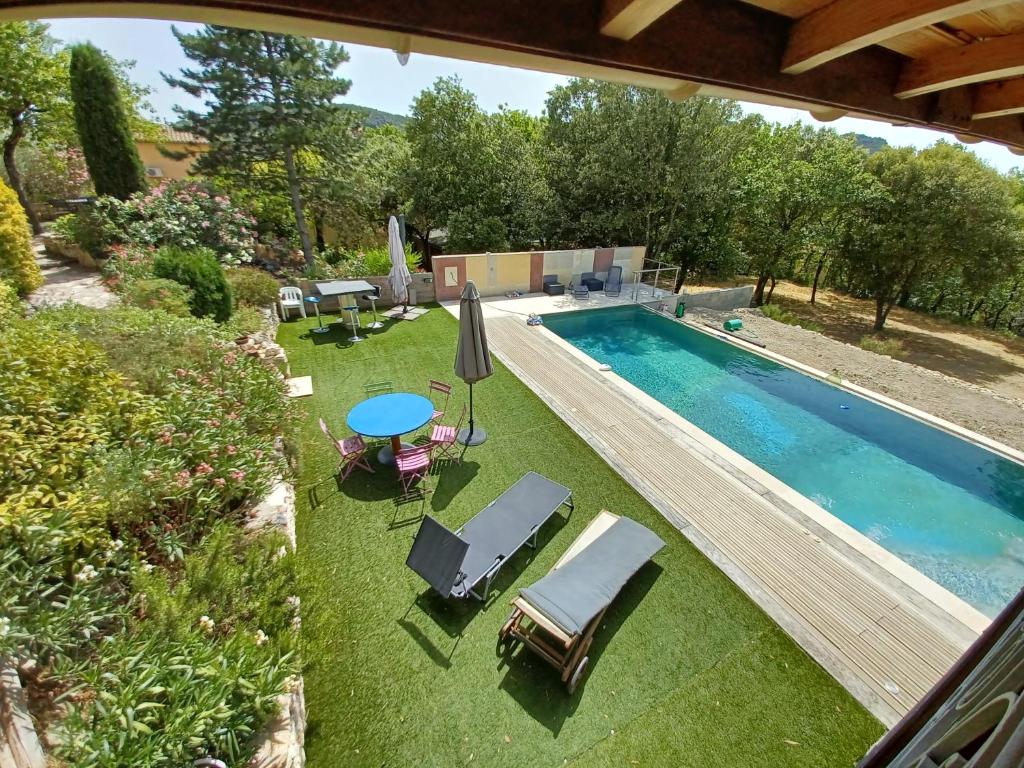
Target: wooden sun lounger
[{"x": 565, "y": 648}]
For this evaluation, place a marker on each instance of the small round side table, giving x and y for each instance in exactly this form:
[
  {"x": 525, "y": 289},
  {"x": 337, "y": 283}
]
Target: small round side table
[{"x": 315, "y": 301}]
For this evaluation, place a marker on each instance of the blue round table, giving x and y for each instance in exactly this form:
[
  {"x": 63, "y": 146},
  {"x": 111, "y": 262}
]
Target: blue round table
[{"x": 391, "y": 416}]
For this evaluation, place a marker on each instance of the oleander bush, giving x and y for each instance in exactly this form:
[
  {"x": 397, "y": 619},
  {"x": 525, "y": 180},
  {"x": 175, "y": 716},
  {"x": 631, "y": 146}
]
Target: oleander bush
[
  {"x": 252, "y": 287},
  {"x": 158, "y": 293},
  {"x": 17, "y": 261},
  {"x": 184, "y": 214},
  {"x": 131, "y": 442},
  {"x": 126, "y": 264},
  {"x": 202, "y": 274}
]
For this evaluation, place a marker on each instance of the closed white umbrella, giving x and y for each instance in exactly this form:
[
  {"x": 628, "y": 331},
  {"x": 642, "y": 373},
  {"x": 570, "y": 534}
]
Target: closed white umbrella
[
  {"x": 472, "y": 358},
  {"x": 399, "y": 277}
]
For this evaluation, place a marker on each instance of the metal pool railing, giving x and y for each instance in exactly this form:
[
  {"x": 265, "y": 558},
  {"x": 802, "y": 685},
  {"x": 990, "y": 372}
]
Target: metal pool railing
[{"x": 655, "y": 280}]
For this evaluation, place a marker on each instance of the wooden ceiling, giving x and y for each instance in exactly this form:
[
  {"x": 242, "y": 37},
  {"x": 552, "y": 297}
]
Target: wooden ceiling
[{"x": 954, "y": 66}]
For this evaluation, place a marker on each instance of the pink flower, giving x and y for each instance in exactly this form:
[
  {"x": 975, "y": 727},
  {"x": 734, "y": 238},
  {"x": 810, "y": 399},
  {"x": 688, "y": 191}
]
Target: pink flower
[
  {"x": 229, "y": 358},
  {"x": 214, "y": 422},
  {"x": 232, "y": 450},
  {"x": 238, "y": 475},
  {"x": 204, "y": 469},
  {"x": 165, "y": 438},
  {"x": 233, "y": 416},
  {"x": 182, "y": 478},
  {"x": 219, "y": 482},
  {"x": 204, "y": 224},
  {"x": 180, "y": 372}
]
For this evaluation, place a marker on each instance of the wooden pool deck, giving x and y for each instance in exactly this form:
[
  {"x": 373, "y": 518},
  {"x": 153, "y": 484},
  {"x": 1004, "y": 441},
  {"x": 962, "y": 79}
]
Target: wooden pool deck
[{"x": 884, "y": 641}]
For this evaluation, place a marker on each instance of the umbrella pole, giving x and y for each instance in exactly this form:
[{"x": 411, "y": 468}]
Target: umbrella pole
[{"x": 471, "y": 436}]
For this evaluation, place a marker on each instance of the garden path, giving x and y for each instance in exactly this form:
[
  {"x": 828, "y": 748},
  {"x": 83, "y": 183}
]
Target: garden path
[{"x": 67, "y": 281}]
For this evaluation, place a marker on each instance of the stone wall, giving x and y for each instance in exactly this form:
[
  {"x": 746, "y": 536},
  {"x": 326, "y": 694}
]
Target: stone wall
[{"x": 70, "y": 251}]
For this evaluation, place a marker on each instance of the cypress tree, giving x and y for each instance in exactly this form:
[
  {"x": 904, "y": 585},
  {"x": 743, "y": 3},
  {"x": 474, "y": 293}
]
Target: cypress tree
[{"x": 102, "y": 124}]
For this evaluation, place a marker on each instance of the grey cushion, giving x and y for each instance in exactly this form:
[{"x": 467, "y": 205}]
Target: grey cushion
[{"x": 575, "y": 593}]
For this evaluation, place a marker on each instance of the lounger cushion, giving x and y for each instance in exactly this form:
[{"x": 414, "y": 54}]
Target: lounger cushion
[
  {"x": 501, "y": 527},
  {"x": 575, "y": 593},
  {"x": 437, "y": 555}
]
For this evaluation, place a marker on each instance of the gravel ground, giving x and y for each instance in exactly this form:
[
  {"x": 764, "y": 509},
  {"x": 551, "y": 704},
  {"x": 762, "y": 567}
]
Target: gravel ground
[{"x": 996, "y": 416}]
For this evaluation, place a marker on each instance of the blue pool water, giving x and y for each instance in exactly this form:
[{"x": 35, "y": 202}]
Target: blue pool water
[{"x": 952, "y": 510}]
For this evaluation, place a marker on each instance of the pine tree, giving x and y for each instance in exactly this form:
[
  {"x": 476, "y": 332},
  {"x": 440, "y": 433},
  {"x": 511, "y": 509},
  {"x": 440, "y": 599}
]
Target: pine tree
[
  {"x": 271, "y": 98},
  {"x": 103, "y": 125}
]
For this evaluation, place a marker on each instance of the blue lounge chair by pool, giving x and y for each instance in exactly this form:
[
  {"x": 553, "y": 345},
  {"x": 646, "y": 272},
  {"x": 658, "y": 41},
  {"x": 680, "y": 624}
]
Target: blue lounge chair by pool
[
  {"x": 455, "y": 564},
  {"x": 613, "y": 284},
  {"x": 556, "y": 617}
]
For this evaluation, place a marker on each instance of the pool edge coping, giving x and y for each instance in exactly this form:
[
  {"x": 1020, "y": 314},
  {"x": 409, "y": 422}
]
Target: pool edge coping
[{"x": 743, "y": 471}]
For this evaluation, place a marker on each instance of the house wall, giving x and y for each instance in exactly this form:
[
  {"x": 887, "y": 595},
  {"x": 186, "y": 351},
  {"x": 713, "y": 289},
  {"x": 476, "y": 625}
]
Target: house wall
[
  {"x": 174, "y": 170},
  {"x": 495, "y": 274}
]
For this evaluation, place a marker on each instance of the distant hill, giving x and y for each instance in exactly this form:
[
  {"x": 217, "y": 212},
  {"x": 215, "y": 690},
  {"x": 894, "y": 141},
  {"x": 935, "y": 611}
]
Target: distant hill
[
  {"x": 374, "y": 118},
  {"x": 871, "y": 143}
]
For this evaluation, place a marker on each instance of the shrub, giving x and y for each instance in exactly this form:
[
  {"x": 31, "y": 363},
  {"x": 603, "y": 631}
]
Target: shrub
[
  {"x": 10, "y": 304},
  {"x": 157, "y": 293},
  {"x": 241, "y": 584},
  {"x": 371, "y": 262},
  {"x": 102, "y": 124},
  {"x": 152, "y": 700},
  {"x": 252, "y": 287},
  {"x": 777, "y": 313},
  {"x": 882, "y": 345},
  {"x": 126, "y": 265},
  {"x": 185, "y": 214},
  {"x": 244, "y": 322},
  {"x": 17, "y": 261},
  {"x": 198, "y": 270},
  {"x": 65, "y": 228}
]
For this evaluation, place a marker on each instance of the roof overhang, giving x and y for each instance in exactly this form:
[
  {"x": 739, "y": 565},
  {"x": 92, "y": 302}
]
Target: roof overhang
[{"x": 710, "y": 47}]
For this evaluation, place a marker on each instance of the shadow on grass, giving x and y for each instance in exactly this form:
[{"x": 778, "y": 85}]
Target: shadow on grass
[
  {"x": 452, "y": 477},
  {"x": 537, "y": 686}
]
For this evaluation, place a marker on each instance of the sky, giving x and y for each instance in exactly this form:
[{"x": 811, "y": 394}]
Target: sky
[{"x": 379, "y": 81}]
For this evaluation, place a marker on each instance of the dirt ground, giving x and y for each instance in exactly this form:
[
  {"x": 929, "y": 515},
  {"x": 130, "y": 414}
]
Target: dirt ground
[{"x": 970, "y": 376}]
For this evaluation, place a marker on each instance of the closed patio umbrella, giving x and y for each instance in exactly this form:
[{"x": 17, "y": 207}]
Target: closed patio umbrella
[
  {"x": 473, "y": 359},
  {"x": 399, "y": 277}
]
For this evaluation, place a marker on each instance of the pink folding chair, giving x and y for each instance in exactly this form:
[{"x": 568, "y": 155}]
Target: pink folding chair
[
  {"x": 443, "y": 437},
  {"x": 439, "y": 389},
  {"x": 413, "y": 464},
  {"x": 352, "y": 450}
]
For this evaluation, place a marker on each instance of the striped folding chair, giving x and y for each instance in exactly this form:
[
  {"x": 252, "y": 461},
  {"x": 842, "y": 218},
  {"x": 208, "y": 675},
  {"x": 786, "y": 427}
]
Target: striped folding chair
[
  {"x": 439, "y": 394},
  {"x": 378, "y": 388},
  {"x": 442, "y": 437},
  {"x": 413, "y": 464},
  {"x": 352, "y": 450}
]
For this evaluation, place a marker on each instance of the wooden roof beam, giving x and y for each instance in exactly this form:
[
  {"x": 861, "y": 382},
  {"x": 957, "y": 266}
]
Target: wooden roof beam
[
  {"x": 997, "y": 99},
  {"x": 625, "y": 19},
  {"x": 844, "y": 26},
  {"x": 997, "y": 58}
]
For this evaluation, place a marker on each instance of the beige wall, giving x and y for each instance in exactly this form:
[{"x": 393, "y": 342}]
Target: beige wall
[
  {"x": 174, "y": 170},
  {"x": 495, "y": 274}
]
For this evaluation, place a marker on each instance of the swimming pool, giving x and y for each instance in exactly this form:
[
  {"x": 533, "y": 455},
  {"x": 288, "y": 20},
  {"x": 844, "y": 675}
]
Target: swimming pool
[{"x": 949, "y": 508}]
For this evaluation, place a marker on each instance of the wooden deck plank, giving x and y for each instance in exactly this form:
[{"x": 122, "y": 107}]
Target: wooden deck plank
[{"x": 861, "y": 629}]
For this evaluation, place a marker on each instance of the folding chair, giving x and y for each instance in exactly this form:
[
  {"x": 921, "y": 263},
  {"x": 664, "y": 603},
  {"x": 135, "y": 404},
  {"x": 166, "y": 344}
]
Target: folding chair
[
  {"x": 352, "y": 450},
  {"x": 441, "y": 389},
  {"x": 413, "y": 464},
  {"x": 442, "y": 437},
  {"x": 378, "y": 388}
]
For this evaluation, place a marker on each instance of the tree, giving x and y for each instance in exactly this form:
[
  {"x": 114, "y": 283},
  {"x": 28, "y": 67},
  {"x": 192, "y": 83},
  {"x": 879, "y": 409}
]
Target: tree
[
  {"x": 271, "y": 97},
  {"x": 628, "y": 166},
  {"x": 794, "y": 178},
  {"x": 943, "y": 221},
  {"x": 103, "y": 125},
  {"x": 33, "y": 80}
]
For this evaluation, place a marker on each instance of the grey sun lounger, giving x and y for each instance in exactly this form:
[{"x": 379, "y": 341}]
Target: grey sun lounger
[
  {"x": 556, "y": 617},
  {"x": 455, "y": 564}
]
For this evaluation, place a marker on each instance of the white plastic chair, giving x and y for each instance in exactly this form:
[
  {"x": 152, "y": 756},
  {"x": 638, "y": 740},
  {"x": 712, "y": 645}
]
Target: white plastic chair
[{"x": 290, "y": 297}]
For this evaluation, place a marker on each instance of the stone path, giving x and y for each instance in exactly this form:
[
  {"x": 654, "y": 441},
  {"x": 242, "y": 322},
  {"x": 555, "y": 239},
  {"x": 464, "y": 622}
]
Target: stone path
[{"x": 67, "y": 281}]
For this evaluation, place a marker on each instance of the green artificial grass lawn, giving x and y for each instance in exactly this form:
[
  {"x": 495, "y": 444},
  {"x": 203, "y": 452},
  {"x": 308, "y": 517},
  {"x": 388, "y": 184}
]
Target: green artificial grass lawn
[{"x": 684, "y": 671}]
